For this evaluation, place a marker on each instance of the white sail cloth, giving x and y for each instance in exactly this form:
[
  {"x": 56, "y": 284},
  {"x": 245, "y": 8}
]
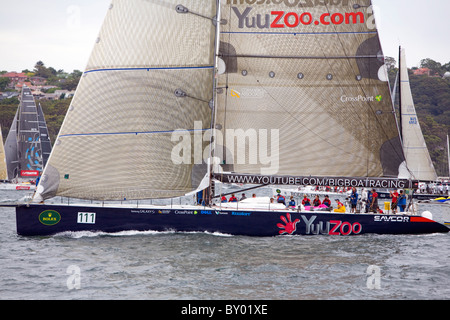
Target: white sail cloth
[
  {"x": 115, "y": 142},
  {"x": 418, "y": 159}
]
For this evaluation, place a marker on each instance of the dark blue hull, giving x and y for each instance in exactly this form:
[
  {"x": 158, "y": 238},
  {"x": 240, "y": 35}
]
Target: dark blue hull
[{"x": 43, "y": 220}]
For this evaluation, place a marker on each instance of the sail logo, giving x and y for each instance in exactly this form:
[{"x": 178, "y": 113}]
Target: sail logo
[
  {"x": 248, "y": 93},
  {"x": 29, "y": 173},
  {"x": 332, "y": 227},
  {"x": 49, "y": 217},
  {"x": 284, "y": 19},
  {"x": 235, "y": 94},
  {"x": 413, "y": 120},
  {"x": 361, "y": 98},
  {"x": 288, "y": 227},
  {"x": 293, "y": 3}
]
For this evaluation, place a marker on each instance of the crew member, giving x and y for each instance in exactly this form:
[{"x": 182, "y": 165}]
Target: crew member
[
  {"x": 281, "y": 199},
  {"x": 353, "y": 200},
  {"x": 292, "y": 203},
  {"x": 327, "y": 201},
  {"x": 340, "y": 207},
  {"x": 306, "y": 201},
  {"x": 316, "y": 201}
]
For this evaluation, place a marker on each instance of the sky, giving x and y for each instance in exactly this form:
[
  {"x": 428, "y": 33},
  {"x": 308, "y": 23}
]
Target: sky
[{"x": 62, "y": 33}]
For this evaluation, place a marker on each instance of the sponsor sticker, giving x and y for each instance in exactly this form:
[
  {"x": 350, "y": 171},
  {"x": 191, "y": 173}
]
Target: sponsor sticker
[{"x": 49, "y": 217}]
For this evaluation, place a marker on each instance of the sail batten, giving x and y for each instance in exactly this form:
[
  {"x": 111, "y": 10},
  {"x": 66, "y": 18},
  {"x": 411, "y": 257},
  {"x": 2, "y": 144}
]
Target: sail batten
[
  {"x": 298, "y": 57},
  {"x": 149, "y": 68}
]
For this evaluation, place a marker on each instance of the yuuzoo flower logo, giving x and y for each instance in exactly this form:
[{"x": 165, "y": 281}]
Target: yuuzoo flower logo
[
  {"x": 379, "y": 98},
  {"x": 49, "y": 217}
]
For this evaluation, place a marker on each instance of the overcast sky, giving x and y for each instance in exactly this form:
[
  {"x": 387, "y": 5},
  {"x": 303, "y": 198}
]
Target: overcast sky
[{"x": 62, "y": 33}]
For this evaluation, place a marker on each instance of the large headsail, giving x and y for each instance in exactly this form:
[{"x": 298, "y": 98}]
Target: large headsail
[
  {"x": 416, "y": 152},
  {"x": 150, "y": 75},
  {"x": 304, "y": 90}
]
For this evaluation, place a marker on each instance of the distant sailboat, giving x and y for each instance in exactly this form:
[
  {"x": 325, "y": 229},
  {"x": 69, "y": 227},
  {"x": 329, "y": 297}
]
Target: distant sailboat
[
  {"x": 310, "y": 98},
  {"x": 419, "y": 163},
  {"x": 28, "y": 145}
]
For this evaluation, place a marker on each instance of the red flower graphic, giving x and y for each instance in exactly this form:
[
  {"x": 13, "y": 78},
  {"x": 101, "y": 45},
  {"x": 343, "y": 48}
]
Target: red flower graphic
[{"x": 289, "y": 227}]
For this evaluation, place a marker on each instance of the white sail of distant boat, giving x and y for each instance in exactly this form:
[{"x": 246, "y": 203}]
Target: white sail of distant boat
[
  {"x": 418, "y": 159},
  {"x": 27, "y": 145},
  {"x": 3, "y": 171}
]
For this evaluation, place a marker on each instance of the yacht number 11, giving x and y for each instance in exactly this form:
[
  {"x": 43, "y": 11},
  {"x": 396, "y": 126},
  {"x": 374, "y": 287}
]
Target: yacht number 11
[{"x": 86, "y": 217}]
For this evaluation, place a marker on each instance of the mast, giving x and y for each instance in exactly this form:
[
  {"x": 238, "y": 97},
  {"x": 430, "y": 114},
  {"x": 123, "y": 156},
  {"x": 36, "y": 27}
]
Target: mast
[{"x": 214, "y": 104}]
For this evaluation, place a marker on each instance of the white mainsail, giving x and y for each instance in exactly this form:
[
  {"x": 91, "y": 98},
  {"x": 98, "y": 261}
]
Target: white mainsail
[
  {"x": 314, "y": 72},
  {"x": 149, "y": 75},
  {"x": 416, "y": 152}
]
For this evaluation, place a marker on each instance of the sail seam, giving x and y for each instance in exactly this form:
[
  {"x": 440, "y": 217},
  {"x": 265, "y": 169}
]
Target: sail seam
[
  {"x": 148, "y": 69},
  {"x": 298, "y": 57},
  {"x": 128, "y": 133}
]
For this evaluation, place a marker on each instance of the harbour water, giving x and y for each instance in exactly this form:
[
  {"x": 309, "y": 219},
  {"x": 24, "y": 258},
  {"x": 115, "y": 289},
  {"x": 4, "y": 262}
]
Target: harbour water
[{"x": 199, "y": 266}]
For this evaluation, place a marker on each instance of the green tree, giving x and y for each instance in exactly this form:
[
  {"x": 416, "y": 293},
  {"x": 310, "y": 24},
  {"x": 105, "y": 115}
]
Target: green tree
[
  {"x": 434, "y": 66},
  {"x": 3, "y": 83}
]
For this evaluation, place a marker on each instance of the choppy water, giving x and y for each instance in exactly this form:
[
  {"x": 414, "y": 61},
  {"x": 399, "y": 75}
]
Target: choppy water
[{"x": 149, "y": 265}]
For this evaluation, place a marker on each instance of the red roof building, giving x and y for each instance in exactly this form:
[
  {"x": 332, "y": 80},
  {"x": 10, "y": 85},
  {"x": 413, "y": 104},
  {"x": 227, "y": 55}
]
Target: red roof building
[
  {"x": 15, "y": 77},
  {"x": 422, "y": 71}
]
